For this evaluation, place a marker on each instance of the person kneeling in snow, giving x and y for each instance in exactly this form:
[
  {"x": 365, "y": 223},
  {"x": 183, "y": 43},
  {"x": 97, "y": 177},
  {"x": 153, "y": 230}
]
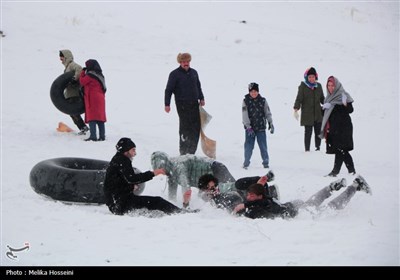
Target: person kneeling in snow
[
  {"x": 259, "y": 205},
  {"x": 228, "y": 195},
  {"x": 186, "y": 170},
  {"x": 121, "y": 179}
]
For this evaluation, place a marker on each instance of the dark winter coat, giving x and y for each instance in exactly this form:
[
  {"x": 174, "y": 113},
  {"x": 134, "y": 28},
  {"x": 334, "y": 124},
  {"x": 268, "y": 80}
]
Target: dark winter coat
[
  {"x": 94, "y": 96},
  {"x": 255, "y": 112},
  {"x": 309, "y": 101},
  {"x": 119, "y": 182},
  {"x": 268, "y": 208},
  {"x": 185, "y": 85},
  {"x": 340, "y": 129}
]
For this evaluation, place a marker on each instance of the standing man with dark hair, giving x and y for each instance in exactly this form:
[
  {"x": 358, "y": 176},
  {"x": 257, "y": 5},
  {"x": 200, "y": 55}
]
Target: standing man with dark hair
[
  {"x": 184, "y": 83},
  {"x": 72, "y": 90}
]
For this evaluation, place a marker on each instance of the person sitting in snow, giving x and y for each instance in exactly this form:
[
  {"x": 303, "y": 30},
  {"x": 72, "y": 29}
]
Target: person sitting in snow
[
  {"x": 259, "y": 205},
  {"x": 186, "y": 170},
  {"x": 121, "y": 179},
  {"x": 228, "y": 195}
]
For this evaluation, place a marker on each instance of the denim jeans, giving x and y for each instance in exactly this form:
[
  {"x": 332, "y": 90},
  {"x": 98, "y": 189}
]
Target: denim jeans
[
  {"x": 249, "y": 146},
  {"x": 93, "y": 133}
]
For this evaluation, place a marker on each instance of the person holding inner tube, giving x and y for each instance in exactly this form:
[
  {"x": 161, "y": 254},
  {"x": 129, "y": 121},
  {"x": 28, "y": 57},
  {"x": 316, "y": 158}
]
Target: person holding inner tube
[
  {"x": 72, "y": 90},
  {"x": 121, "y": 180}
]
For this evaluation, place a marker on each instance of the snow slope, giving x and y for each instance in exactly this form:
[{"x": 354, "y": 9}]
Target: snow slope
[{"x": 232, "y": 44}]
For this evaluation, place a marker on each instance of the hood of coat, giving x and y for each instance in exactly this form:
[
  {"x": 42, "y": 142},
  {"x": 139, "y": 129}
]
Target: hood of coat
[
  {"x": 161, "y": 160},
  {"x": 68, "y": 57}
]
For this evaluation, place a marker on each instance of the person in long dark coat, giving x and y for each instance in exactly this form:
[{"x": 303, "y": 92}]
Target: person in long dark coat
[
  {"x": 309, "y": 99},
  {"x": 184, "y": 83},
  {"x": 337, "y": 127}
]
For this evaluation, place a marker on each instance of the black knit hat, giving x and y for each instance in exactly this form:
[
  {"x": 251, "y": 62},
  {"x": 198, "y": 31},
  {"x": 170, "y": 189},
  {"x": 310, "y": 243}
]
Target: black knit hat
[
  {"x": 124, "y": 144},
  {"x": 253, "y": 86},
  {"x": 312, "y": 71}
]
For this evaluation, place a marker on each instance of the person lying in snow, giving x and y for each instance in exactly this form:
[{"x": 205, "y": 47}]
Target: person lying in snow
[
  {"x": 186, "y": 170},
  {"x": 228, "y": 195},
  {"x": 259, "y": 205}
]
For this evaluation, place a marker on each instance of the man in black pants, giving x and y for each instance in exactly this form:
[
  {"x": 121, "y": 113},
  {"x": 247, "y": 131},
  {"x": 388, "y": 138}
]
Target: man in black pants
[
  {"x": 184, "y": 83},
  {"x": 121, "y": 180}
]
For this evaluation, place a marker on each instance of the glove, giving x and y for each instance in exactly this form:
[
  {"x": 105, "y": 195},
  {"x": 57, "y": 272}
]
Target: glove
[
  {"x": 344, "y": 99},
  {"x": 250, "y": 132},
  {"x": 73, "y": 81},
  {"x": 296, "y": 115},
  {"x": 326, "y": 106},
  {"x": 271, "y": 128}
]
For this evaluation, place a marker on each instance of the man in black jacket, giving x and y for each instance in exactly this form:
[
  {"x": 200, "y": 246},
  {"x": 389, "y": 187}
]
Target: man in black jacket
[
  {"x": 259, "y": 205},
  {"x": 184, "y": 83},
  {"x": 121, "y": 180}
]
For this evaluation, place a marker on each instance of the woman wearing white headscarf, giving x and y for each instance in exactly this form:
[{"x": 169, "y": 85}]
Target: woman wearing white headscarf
[{"x": 337, "y": 127}]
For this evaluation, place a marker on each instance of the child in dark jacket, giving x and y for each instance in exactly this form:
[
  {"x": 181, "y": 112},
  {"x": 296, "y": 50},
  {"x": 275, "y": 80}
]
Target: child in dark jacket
[
  {"x": 255, "y": 114},
  {"x": 259, "y": 205}
]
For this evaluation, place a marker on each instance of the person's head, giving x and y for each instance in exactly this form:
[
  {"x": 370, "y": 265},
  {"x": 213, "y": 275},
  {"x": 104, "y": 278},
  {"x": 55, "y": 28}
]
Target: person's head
[
  {"x": 161, "y": 160},
  {"x": 93, "y": 65},
  {"x": 208, "y": 186},
  {"x": 66, "y": 57},
  {"x": 253, "y": 90},
  {"x": 330, "y": 85},
  {"x": 256, "y": 192},
  {"x": 126, "y": 147},
  {"x": 311, "y": 75},
  {"x": 184, "y": 60}
]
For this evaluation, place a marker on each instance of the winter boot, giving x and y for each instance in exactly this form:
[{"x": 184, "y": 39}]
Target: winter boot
[
  {"x": 338, "y": 184},
  {"x": 362, "y": 185}
]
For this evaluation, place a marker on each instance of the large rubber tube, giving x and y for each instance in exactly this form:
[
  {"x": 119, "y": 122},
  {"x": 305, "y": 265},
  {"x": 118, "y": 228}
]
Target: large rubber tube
[
  {"x": 76, "y": 107},
  {"x": 72, "y": 179}
]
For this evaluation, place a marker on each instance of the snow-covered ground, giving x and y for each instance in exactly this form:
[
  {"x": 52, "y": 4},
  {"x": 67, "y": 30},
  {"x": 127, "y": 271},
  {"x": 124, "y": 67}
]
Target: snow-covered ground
[{"x": 232, "y": 44}]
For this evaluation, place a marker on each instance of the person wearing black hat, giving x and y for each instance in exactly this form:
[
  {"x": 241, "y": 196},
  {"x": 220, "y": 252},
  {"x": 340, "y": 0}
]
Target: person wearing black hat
[
  {"x": 120, "y": 181},
  {"x": 310, "y": 97},
  {"x": 255, "y": 115}
]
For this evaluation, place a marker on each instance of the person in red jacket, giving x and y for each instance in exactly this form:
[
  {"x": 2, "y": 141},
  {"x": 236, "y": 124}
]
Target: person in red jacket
[{"x": 94, "y": 87}]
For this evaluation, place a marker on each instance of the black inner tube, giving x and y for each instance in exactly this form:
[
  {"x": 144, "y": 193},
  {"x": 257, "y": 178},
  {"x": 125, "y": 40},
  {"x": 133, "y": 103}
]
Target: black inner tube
[{"x": 71, "y": 106}]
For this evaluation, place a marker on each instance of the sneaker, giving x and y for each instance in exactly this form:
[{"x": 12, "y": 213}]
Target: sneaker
[
  {"x": 362, "y": 185},
  {"x": 266, "y": 166},
  {"x": 317, "y": 149},
  {"x": 338, "y": 184},
  {"x": 245, "y": 167},
  {"x": 83, "y": 131},
  {"x": 101, "y": 139},
  {"x": 90, "y": 139},
  {"x": 274, "y": 192},
  {"x": 270, "y": 176}
]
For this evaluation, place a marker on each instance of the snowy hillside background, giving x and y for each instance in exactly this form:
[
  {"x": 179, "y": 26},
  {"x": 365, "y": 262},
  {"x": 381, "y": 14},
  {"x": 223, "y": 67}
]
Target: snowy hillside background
[{"x": 232, "y": 44}]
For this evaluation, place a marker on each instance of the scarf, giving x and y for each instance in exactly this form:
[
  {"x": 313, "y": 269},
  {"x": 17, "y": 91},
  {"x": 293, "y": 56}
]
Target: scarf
[
  {"x": 99, "y": 77},
  {"x": 334, "y": 98}
]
